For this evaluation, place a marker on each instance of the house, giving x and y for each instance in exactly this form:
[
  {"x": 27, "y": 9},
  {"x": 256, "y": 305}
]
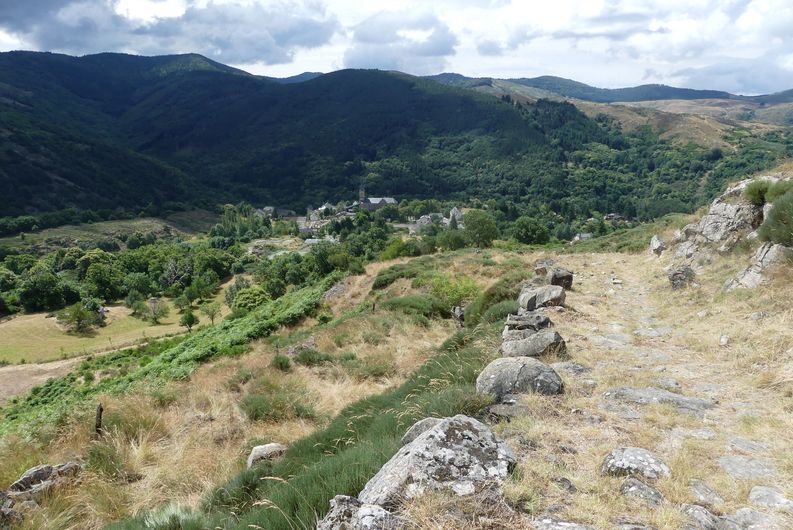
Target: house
[
  {"x": 582, "y": 236},
  {"x": 375, "y": 203},
  {"x": 274, "y": 213}
]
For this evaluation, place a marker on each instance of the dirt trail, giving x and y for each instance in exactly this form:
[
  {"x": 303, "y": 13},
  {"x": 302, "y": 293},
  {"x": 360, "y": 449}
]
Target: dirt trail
[{"x": 16, "y": 379}]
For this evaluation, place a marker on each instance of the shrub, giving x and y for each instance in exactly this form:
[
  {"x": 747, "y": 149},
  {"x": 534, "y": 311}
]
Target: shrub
[
  {"x": 756, "y": 191},
  {"x": 105, "y": 459},
  {"x": 251, "y": 298},
  {"x": 410, "y": 269},
  {"x": 778, "y": 189},
  {"x": 498, "y": 312},
  {"x": 504, "y": 289},
  {"x": 242, "y": 376},
  {"x": 778, "y": 227},
  {"x": 424, "y": 305},
  {"x": 530, "y": 231},
  {"x": 281, "y": 362},
  {"x": 452, "y": 290},
  {"x": 311, "y": 357},
  {"x": 480, "y": 228},
  {"x": 374, "y": 367},
  {"x": 451, "y": 240},
  {"x": 276, "y": 405}
]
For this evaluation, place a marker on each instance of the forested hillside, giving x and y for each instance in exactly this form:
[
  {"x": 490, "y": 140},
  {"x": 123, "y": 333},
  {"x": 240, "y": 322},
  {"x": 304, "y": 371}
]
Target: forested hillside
[{"x": 116, "y": 131}]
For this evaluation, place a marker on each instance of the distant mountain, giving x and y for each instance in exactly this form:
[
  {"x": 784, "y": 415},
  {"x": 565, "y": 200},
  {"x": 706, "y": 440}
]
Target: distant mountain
[{"x": 299, "y": 78}]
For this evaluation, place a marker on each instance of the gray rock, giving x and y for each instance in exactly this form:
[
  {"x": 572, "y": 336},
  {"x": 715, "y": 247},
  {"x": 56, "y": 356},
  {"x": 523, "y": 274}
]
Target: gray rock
[
  {"x": 700, "y": 518},
  {"x": 633, "y": 487},
  {"x": 349, "y": 513},
  {"x": 767, "y": 256},
  {"x": 614, "y": 341},
  {"x": 418, "y": 428},
  {"x": 703, "y": 494},
  {"x": 725, "y": 220},
  {"x": 770, "y": 497},
  {"x": 518, "y": 375},
  {"x": 503, "y": 412},
  {"x": 747, "y": 468},
  {"x": 460, "y": 454},
  {"x": 40, "y": 480},
  {"x": 748, "y": 519},
  {"x": 667, "y": 383},
  {"x": 745, "y": 445},
  {"x": 551, "y": 523},
  {"x": 532, "y": 298},
  {"x": 544, "y": 342},
  {"x": 571, "y": 367},
  {"x": 657, "y": 246},
  {"x": 650, "y": 395},
  {"x": 635, "y": 461},
  {"x": 561, "y": 277},
  {"x": 528, "y": 321},
  {"x": 262, "y": 453}
]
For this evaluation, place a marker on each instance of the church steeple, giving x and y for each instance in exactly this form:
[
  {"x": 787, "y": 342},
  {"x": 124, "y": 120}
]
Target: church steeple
[{"x": 361, "y": 194}]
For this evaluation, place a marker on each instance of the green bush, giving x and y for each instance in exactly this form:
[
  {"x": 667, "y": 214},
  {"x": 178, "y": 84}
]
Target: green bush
[
  {"x": 504, "y": 289},
  {"x": 251, "y": 298},
  {"x": 311, "y": 357},
  {"x": 498, "y": 312},
  {"x": 530, "y": 231},
  {"x": 778, "y": 189},
  {"x": 104, "y": 458},
  {"x": 276, "y": 404},
  {"x": 778, "y": 227},
  {"x": 424, "y": 305},
  {"x": 242, "y": 376},
  {"x": 756, "y": 192},
  {"x": 281, "y": 362},
  {"x": 452, "y": 290},
  {"x": 373, "y": 367},
  {"x": 410, "y": 269}
]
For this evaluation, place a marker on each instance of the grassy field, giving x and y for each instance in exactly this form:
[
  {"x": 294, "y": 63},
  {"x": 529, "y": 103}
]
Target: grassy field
[{"x": 190, "y": 223}]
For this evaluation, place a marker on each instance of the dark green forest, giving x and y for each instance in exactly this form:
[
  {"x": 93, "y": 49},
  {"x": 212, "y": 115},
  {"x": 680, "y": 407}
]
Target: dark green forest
[{"x": 115, "y": 133}]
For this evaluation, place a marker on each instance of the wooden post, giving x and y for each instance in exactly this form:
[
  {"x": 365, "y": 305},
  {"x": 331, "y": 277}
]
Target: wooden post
[{"x": 98, "y": 423}]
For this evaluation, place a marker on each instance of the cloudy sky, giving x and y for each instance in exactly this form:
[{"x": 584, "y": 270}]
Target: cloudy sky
[{"x": 743, "y": 46}]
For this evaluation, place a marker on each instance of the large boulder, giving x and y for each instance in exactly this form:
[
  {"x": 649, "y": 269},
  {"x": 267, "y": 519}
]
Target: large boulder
[
  {"x": 543, "y": 342},
  {"x": 561, "y": 277},
  {"x": 767, "y": 256},
  {"x": 657, "y": 246},
  {"x": 518, "y": 375},
  {"x": 39, "y": 480},
  {"x": 419, "y": 428},
  {"x": 681, "y": 277},
  {"x": 349, "y": 513},
  {"x": 531, "y": 298},
  {"x": 528, "y": 321},
  {"x": 635, "y": 461},
  {"x": 263, "y": 453},
  {"x": 459, "y": 454},
  {"x": 727, "y": 220}
]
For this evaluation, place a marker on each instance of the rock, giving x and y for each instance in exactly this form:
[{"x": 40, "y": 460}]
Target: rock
[
  {"x": 262, "y": 453},
  {"x": 516, "y": 334},
  {"x": 667, "y": 383},
  {"x": 544, "y": 342},
  {"x": 703, "y": 494},
  {"x": 746, "y": 445},
  {"x": 418, "y": 428},
  {"x": 571, "y": 367},
  {"x": 561, "y": 277},
  {"x": 747, "y": 468},
  {"x": 531, "y": 298},
  {"x": 31, "y": 477},
  {"x": 40, "y": 479},
  {"x": 767, "y": 256},
  {"x": 681, "y": 277},
  {"x": 650, "y": 395},
  {"x": 699, "y": 518},
  {"x": 770, "y": 497},
  {"x": 725, "y": 220},
  {"x": 528, "y": 321},
  {"x": 503, "y": 412},
  {"x": 518, "y": 375},
  {"x": 349, "y": 513},
  {"x": 543, "y": 267},
  {"x": 724, "y": 341},
  {"x": 565, "y": 484},
  {"x": 633, "y": 487},
  {"x": 459, "y": 454},
  {"x": 657, "y": 246},
  {"x": 635, "y": 461},
  {"x": 748, "y": 519},
  {"x": 550, "y": 523}
]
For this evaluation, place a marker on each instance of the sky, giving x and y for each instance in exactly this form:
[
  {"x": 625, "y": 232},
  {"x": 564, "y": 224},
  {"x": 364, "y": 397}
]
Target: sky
[{"x": 742, "y": 46}]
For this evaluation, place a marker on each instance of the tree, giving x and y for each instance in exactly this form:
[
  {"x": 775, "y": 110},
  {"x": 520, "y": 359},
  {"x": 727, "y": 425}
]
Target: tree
[
  {"x": 182, "y": 303},
  {"x": 78, "y": 317},
  {"x": 480, "y": 227},
  {"x": 451, "y": 239},
  {"x": 8, "y": 279},
  {"x": 40, "y": 289},
  {"x": 211, "y": 311},
  {"x": 104, "y": 281},
  {"x": 530, "y": 230},
  {"x": 156, "y": 310},
  {"x": 188, "y": 320}
]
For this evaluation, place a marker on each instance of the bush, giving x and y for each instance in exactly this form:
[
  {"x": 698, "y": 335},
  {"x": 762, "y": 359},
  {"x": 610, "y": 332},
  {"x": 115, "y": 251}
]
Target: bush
[
  {"x": 242, "y": 376},
  {"x": 452, "y": 290},
  {"x": 269, "y": 402},
  {"x": 374, "y": 367},
  {"x": 530, "y": 231},
  {"x": 451, "y": 240},
  {"x": 410, "y": 269},
  {"x": 778, "y": 227},
  {"x": 778, "y": 189},
  {"x": 281, "y": 362},
  {"x": 498, "y": 312},
  {"x": 311, "y": 357},
  {"x": 755, "y": 192},
  {"x": 250, "y": 298},
  {"x": 504, "y": 289},
  {"x": 424, "y": 305}
]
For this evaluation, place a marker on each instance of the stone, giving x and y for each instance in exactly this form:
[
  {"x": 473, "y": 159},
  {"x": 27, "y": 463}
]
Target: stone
[
  {"x": 518, "y": 375},
  {"x": 531, "y": 298},
  {"x": 565, "y": 484},
  {"x": 748, "y": 519},
  {"x": 746, "y": 445},
  {"x": 635, "y": 461},
  {"x": 657, "y": 246},
  {"x": 699, "y": 518},
  {"x": 41, "y": 478},
  {"x": 766, "y": 257},
  {"x": 349, "y": 513},
  {"x": 633, "y": 487},
  {"x": 418, "y": 428},
  {"x": 561, "y": 277},
  {"x": 747, "y": 468},
  {"x": 544, "y": 342},
  {"x": 724, "y": 341},
  {"x": 266, "y": 452},
  {"x": 770, "y": 497},
  {"x": 503, "y": 412},
  {"x": 571, "y": 367},
  {"x": 703, "y": 494},
  {"x": 681, "y": 277},
  {"x": 725, "y": 220},
  {"x": 528, "y": 321},
  {"x": 667, "y": 383},
  {"x": 650, "y": 395},
  {"x": 551, "y": 523},
  {"x": 516, "y": 334},
  {"x": 459, "y": 455}
]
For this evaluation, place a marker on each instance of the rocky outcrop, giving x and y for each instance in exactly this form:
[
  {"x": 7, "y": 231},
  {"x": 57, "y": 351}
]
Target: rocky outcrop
[
  {"x": 681, "y": 277},
  {"x": 650, "y": 395},
  {"x": 561, "y": 277},
  {"x": 419, "y": 428},
  {"x": 540, "y": 343},
  {"x": 263, "y": 453},
  {"x": 635, "y": 461},
  {"x": 349, "y": 513},
  {"x": 767, "y": 256},
  {"x": 633, "y": 487},
  {"x": 31, "y": 487},
  {"x": 531, "y": 298},
  {"x": 657, "y": 246},
  {"x": 518, "y": 375},
  {"x": 459, "y": 454}
]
